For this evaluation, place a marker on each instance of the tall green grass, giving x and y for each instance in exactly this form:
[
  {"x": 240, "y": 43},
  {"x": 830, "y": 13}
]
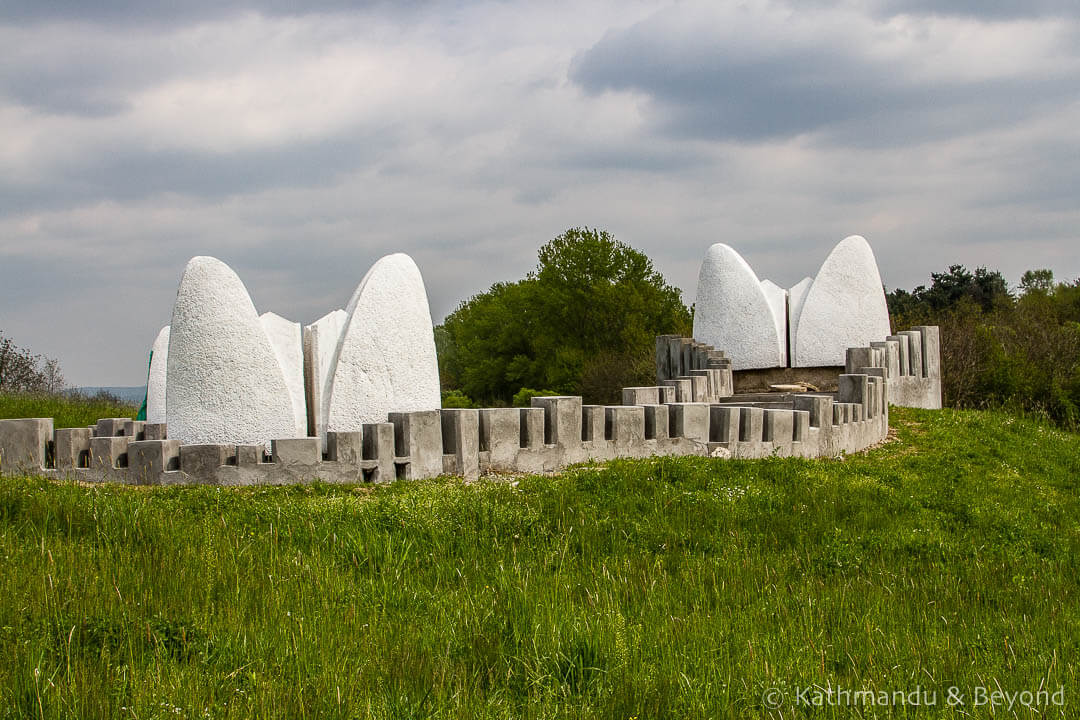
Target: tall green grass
[
  {"x": 66, "y": 410},
  {"x": 644, "y": 589}
]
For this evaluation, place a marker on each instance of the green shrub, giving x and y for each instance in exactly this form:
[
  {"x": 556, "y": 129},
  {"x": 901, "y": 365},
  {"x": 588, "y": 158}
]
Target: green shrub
[{"x": 524, "y": 396}]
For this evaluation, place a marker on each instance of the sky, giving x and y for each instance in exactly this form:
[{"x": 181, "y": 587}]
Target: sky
[{"x": 301, "y": 143}]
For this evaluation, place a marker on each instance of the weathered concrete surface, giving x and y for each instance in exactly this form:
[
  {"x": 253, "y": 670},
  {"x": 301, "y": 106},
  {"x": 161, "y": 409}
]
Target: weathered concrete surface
[
  {"x": 386, "y": 360},
  {"x": 224, "y": 381},
  {"x": 24, "y": 444}
]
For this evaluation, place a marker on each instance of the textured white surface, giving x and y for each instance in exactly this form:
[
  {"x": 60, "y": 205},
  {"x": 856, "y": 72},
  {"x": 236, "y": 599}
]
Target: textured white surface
[
  {"x": 796, "y": 298},
  {"x": 733, "y": 314},
  {"x": 225, "y": 384},
  {"x": 155, "y": 381},
  {"x": 321, "y": 340},
  {"x": 845, "y": 306},
  {"x": 386, "y": 358},
  {"x": 287, "y": 340},
  {"x": 778, "y": 300}
]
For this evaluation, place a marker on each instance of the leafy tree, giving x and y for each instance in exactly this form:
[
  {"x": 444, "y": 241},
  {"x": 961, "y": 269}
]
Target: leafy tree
[
  {"x": 1037, "y": 281},
  {"x": 22, "y": 371},
  {"x": 583, "y": 322}
]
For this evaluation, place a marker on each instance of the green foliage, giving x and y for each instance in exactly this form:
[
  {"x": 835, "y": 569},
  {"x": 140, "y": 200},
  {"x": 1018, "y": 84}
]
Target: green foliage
[
  {"x": 999, "y": 351},
  {"x": 524, "y": 396},
  {"x": 583, "y": 322},
  {"x": 66, "y": 410},
  {"x": 656, "y": 588},
  {"x": 22, "y": 371},
  {"x": 456, "y": 399}
]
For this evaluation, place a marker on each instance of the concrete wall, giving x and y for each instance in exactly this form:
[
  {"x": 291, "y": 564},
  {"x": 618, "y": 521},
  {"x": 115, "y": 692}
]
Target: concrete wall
[{"x": 666, "y": 419}]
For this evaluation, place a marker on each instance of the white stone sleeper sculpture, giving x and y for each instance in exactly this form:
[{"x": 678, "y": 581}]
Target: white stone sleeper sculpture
[
  {"x": 385, "y": 361},
  {"x": 156, "y": 379},
  {"x": 733, "y": 311},
  {"x": 224, "y": 383},
  {"x": 844, "y": 307}
]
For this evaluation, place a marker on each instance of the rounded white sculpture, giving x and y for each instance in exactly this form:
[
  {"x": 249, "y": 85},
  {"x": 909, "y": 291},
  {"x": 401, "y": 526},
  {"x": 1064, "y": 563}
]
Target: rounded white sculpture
[
  {"x": 733, "y": 313},
  {"x": 156, "y": 379},
  {"x": 844, "y": 307},
  {"x": 385, "y": 361},
  {"x": 287, "y": 340},
  {"x": 778, "y": 301},
  {"x": 225, "y": 383}
]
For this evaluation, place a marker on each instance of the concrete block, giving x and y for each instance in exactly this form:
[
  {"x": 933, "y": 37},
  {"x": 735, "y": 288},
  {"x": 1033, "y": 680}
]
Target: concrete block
[
  {"x": 593, "y": 419},
  {"x": 24, "y": 444},
  {"x": 915, "y": 363},
  {"x": 777, "y": 426},
  {"x": 625, "y": 425},
  {"x": 751, "y": 424},
  {"x": 110, "y": 427},
  {"x": 818, "y": 406},
  {"x": 418, "y": 437},
  {"x": 858, "y": 357},
  {"x": 200, "y": 462},
  {"x": 346, "y": 448},
  {"x": 689, "y": 420},
  {"x": 684, "y": 391},
  {"x": 562, "y": 419},
  {"x": 533, "y": 420},
  {"x": 931, "y": 350},
  {"x": 656, "y": 422},
  {"x": 675, "y": 358},
  {"x": 852, "y": 389},
  {"x": 72, "y": 448},
  {"x": 724, "y": 423},
  {"x": 500, "y": 435},
  {"x": 155, "y": 431},
  {"x": 248, "y": 455},
  {"x": 641, "y": 396},
  {"x": 109, "y": 453},
  {"x": 135, "y": 429},
  {"x": 701, "y": 385},
  {"x": 903, "y": 346},
  {"x": 379, "y": 447},
  {"x": 149, "y": 459},
  {"x": 800, "y": 427},
  {"x": 663, "y": 360},
  {"x": 839, "y": 412},
  {"x": 891, "y": 348},
  {"x": 667, "y": 394},
  {"x": 461, "y": 438},
  {"x": 296, "y": 451}
]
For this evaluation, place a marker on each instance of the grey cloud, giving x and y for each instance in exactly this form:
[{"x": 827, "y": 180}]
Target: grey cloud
[
  {"x": 983, "y": 9},
  {"x": 699, "y": 87}
]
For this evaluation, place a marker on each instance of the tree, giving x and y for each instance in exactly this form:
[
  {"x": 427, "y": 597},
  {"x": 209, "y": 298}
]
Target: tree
[
  {"x": 1037, "y": 281},
  {"x": 22, "y": 371},
  {"x": 583, "y": 322}
]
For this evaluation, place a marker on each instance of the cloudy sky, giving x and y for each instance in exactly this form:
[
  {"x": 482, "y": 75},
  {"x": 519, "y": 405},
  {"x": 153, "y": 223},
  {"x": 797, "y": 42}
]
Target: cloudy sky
[{"x": 301, "y": 145}]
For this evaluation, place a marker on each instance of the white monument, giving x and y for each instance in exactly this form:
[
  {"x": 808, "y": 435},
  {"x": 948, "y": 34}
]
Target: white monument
[
  {"x": 155, "y": 381},
  {"x": 225, "y": 383},
  {"x": 385, "y": 361}
]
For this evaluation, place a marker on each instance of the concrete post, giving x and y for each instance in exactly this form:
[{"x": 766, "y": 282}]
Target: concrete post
[
  {"x": 148, "y": 460},
  {"x": 689, "y": 420},
  {"x": 592, "y": 423},
  {"x": 24, "y": 444},
  {"x": 201, "y": 462},
  {"x": 532, "y": 427},
  {"x": 724, "y": 424},
  {"x": 72, "y": 448},
  {"x": 418, "y": 441},
  {"x": 562, "y": 419},
  {"x": 379, "y": 447},
  {"x": 656, "y": 422},
  {"x": 625, "y": 426},
  {"x": 461, "y": 438}
]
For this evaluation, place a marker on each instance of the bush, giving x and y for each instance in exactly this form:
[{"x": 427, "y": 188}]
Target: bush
[
  {"x": 22, "y": 371},
  {"x": 456, "y": 399},
  {"x": 524, "y": 396}
]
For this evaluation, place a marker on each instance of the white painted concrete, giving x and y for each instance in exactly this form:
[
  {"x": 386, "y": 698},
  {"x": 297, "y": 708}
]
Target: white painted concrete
[
  {"x": 287, "y": 340},
  {"x": 156, "y": 380},
  {"x": 844, "y": 307},
  {"x": 778, "y": 300},
  {"x": 321, "y": 339},
  {"x": 732, "y": 312},
  {"x": 796, "y": 299},
  {"x": 386, "y": 359},
  {"x": 225, "y": 383}
]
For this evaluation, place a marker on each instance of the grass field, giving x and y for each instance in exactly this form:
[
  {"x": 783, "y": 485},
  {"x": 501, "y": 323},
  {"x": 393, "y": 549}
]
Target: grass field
[
  {"x": 666, "y": 588},
  {"x": 66, "y": 411}
]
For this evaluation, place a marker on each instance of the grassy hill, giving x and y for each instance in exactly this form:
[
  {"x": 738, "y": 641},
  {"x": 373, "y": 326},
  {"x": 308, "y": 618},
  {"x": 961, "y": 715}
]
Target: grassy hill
[{"x": 685, "y": 587}]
